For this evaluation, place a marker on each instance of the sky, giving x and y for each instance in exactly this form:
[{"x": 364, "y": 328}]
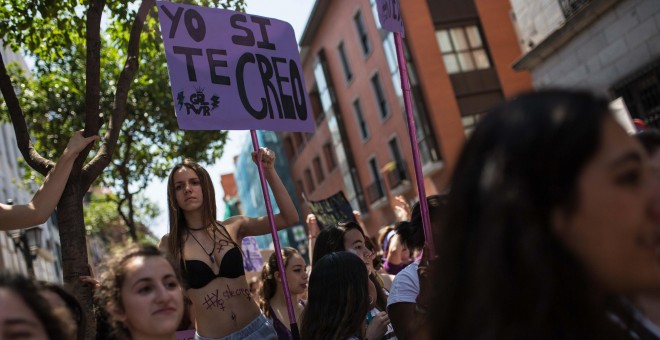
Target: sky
[{"x": 294, "y": 12}]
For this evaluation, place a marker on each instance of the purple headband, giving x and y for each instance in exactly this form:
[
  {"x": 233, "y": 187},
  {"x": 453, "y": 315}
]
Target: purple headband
[{"x": 386, "y": 241}]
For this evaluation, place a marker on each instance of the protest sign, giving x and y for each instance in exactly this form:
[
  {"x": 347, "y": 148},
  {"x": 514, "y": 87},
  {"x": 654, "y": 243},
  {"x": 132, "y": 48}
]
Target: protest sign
[
  {"x": 389, "y": 15},
  {"x": 185, "y": 335},
  {"x": 233, "y": 71},
  {"x": 252, "y": 261},
  {"x": 332, "y": 210}
]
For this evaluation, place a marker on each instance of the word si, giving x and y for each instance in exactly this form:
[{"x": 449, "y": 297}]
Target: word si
[
  {"x": 272, "y": 70},
  {"x": 389, "y": 15}
]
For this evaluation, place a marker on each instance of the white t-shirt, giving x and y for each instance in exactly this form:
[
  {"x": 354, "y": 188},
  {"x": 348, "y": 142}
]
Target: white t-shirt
[{"x": 405, "y": 286}]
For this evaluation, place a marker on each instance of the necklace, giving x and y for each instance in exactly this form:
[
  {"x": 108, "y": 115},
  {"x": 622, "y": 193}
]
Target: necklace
[
  {"x": 197, "y": 229},
  {"x": 207, "y": 253}
]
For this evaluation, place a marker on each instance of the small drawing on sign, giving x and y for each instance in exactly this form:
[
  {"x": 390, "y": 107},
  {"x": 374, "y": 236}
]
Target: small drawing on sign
[
  {"x": 197, "y": 102},
  {"x": 385, "y": 10},
  {"x": 389, "y": 9}
]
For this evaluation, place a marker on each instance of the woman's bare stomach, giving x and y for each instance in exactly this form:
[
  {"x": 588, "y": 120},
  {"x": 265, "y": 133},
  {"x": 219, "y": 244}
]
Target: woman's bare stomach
[{"x": 223, "y": 306}]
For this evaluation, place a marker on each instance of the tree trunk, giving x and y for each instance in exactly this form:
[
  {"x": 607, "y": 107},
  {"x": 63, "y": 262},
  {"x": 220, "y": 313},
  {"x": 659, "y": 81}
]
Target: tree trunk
[{"x": 74, "y": 250}]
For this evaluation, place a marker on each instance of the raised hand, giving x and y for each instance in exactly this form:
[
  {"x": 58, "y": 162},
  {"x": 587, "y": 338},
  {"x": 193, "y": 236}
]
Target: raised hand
[
  {"x": 77, "y": 142},
  {"x": 266, "y": 156}
]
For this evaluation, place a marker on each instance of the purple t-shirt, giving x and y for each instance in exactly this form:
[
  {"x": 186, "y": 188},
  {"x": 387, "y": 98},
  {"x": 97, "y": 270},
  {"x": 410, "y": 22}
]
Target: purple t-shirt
[{"x": 280, "y": 328}]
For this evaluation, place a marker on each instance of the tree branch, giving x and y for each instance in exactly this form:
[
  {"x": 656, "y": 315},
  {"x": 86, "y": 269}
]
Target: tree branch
[
  {"x": 102, "y": 159},
  {"x": 93, "y": 69},
  {"x": 92, "y": 84},
  {"x": 31, "y": 156},
  {"x": 121, "y": 213}
]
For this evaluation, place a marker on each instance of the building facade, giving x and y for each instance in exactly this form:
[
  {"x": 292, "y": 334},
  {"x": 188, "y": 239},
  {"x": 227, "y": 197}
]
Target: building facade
[
  {"x": 610, "y": 46},
  {"x": 251, "y": 196},
  {"x": 47, "y": 260},
  {"x": 361, "y": 144}
]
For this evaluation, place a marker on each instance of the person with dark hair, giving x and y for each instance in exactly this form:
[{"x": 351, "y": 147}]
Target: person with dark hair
[
  {"x": 552, "y": 213},
  {"x": 338, "y": 299},
  {"x": 65, "y": 305},
  {"x": 209, "y": 253},
  {"x": 402, "y": 304},
  {"x": 396, "y": 256},
  {"x": 350, "y": 237},
  {"x": 45, "y": 200},
  {"x": 24, "y": 313},
  {"x": 645, "y": 308},
  {"x": 412, "y": 234},
  {"x": 272, "y": 298},
  {"x": 141, "y": 292}
]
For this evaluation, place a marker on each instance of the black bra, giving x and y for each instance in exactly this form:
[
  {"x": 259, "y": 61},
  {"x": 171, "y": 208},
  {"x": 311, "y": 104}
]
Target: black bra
[{"x": 198, "y": 274}]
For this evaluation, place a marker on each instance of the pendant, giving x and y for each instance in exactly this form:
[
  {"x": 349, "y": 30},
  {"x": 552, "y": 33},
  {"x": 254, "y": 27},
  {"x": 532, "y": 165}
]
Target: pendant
[{"x": 212, "y": 259}]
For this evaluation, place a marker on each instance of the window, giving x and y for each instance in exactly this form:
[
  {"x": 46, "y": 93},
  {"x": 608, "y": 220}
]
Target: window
[
  {"x": 571, "y": 7},
  {"x": 392, "y": 62},
  {"x": 380, "y": 95},
  {"x": 394, "y": 150},
  {"x": 641, "y": 94},
  {"x": 362, "y": 124},
  {"x": 362, "y": 33},
  {"x": 462, "y": 49},
  {"x": 470, "y": 122},
  {"x": 318, "y": 170},
  {"x": 317, "y": 108},
  {"x": 325, "y": 91},
  {"x": 309, "y": 181},
  {"x": 398, "y": 173},
  {"x": 373, "y": 166},
  {"x": 348, "y": 74},
  {"x": 329, "y": 157},
  {"x": 375, "y": 191},
  {"x": 374, "y": 12}
]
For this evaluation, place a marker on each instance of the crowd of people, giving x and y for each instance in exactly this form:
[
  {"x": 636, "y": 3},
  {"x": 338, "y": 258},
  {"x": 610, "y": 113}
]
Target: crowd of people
[{"x": 550, "y": 229}]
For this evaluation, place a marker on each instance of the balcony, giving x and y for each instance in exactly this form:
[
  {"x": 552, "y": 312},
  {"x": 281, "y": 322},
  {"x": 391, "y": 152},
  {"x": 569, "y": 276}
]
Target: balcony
[
  {"x": 375, "y": 191},
  {"x": 571, "y": 7},
  {"x": 397, "y": 174}
]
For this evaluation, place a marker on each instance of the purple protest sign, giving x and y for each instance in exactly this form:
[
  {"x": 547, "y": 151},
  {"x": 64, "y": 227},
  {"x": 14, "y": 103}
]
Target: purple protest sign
[
  {"x": 185, "y": 335},
  {"x": 252, "y": 261},
  {"x": 233, "y": 71},
  {"x": 389, "y": 15}
]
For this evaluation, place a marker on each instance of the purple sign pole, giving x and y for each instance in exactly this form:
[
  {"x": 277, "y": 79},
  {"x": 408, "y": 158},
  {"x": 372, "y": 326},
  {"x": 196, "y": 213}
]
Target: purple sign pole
[
  {"x": 412, "y": 131},
  {"x": 276, "y": 238}
]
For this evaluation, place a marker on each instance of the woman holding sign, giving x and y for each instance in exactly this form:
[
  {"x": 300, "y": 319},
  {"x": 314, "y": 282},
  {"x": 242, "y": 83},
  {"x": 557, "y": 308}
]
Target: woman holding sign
[{"x": 209, "y": 254}]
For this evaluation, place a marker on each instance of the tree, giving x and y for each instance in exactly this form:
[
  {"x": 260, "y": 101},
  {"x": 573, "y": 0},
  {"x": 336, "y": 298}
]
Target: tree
[
  {"x": 106, "y": 226},
  {"x": 66, "y": 39}
]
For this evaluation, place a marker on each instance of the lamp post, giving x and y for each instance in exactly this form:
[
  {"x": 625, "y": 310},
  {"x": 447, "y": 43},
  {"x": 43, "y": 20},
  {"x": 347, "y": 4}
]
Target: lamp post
[{"x": 28, "y": 241}]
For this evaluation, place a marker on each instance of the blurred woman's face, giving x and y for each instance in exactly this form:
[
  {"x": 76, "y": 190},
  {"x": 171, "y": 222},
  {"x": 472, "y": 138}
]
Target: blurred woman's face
[
  {"x": 17, "y": 321},
  {"x": 296, "y": 274},
  {"x": 152, "y": 297},
  {"x": 187, "y": 189},
  {"x": 615, "y": 229},
  {"x": 355, "y": 243}
]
